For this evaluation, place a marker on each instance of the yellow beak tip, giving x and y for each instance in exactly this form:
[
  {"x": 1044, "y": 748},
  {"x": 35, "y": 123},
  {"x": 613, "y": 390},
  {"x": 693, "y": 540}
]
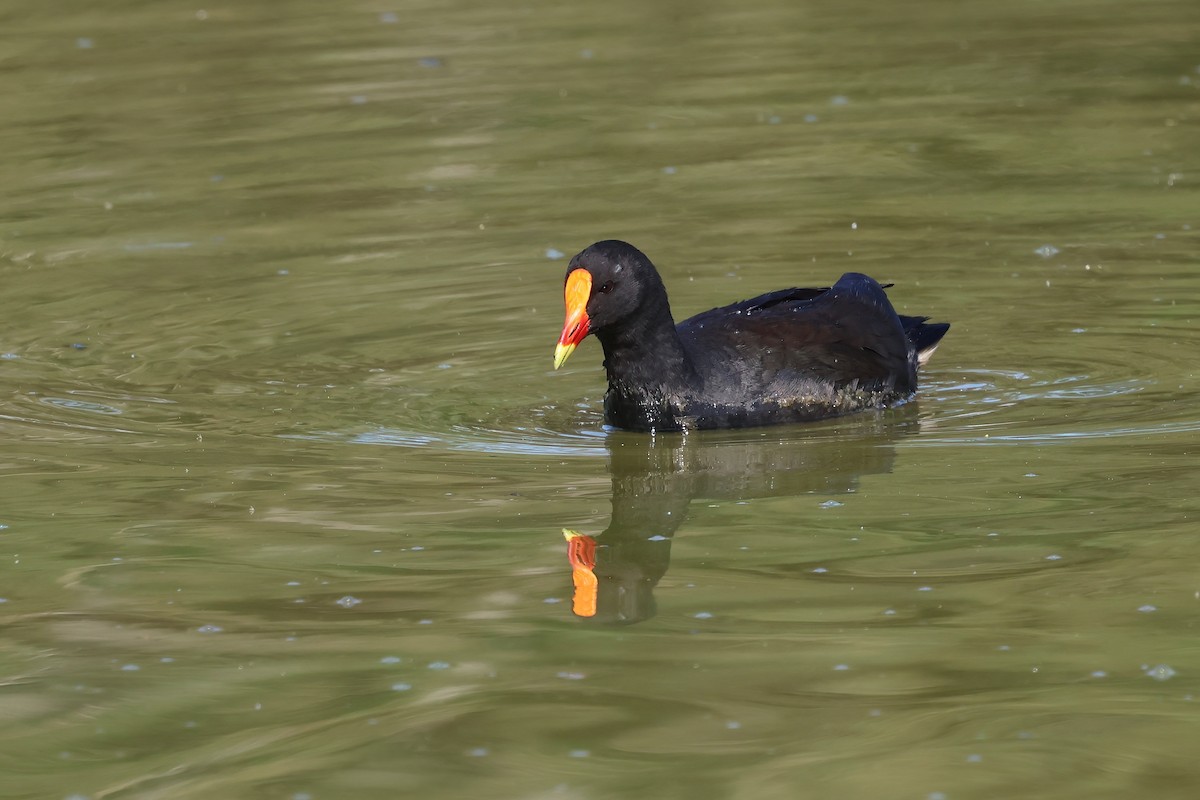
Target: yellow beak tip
[{"x": 561, "y": 352}]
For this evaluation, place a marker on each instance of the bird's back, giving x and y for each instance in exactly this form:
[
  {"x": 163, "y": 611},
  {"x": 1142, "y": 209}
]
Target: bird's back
[{"x": 800, "y": 354}]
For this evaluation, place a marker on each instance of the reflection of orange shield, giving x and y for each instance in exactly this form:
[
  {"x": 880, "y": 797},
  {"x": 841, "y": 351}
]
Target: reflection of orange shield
[{"x": 581, "y": 552}]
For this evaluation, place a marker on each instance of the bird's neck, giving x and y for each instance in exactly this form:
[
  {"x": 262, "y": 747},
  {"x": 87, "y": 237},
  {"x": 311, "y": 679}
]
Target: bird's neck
[{"x": 647, "y": 357}]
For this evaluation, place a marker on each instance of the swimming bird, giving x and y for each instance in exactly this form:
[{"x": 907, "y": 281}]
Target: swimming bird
[{"x": 792, "y": 355}]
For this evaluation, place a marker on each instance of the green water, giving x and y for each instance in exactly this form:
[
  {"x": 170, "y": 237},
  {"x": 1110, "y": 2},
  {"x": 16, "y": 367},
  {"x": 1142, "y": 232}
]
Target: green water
[{"x": 284, "y": 465}]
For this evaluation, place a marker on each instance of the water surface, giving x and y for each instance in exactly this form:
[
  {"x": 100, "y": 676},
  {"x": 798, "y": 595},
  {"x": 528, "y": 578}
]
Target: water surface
[{"x": 285, "y": 466}]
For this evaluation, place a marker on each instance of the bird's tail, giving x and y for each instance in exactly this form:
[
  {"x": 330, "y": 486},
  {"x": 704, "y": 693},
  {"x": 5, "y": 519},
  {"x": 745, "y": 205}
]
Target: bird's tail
[{"x": 924, "y": 336}]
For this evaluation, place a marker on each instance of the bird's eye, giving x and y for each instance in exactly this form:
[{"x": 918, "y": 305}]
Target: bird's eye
[{"x": 606, "y": 288}]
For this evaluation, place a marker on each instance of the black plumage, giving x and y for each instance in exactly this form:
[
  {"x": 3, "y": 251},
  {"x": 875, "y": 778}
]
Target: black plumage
[{"x": 786, "y": 356}]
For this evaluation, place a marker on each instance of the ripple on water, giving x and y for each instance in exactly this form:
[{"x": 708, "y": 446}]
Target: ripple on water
[
  {"x": 68, "y": 411},
  {"x": 474, "y": 423},
  {"x": 529, "y": 432},
  {"x": 520, "y": 441},
  {"x": 1047, "y": 405},
  {"x": 81, "y": 405}
]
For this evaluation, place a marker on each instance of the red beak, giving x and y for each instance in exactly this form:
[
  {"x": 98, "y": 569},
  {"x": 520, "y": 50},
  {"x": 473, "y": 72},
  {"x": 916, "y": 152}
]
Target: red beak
[{"x": 577, "y": 292}]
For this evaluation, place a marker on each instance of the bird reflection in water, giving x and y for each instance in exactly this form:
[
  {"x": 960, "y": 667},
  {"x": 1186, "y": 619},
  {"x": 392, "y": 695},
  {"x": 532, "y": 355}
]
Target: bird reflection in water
[{"x": 655, "y": 478}]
